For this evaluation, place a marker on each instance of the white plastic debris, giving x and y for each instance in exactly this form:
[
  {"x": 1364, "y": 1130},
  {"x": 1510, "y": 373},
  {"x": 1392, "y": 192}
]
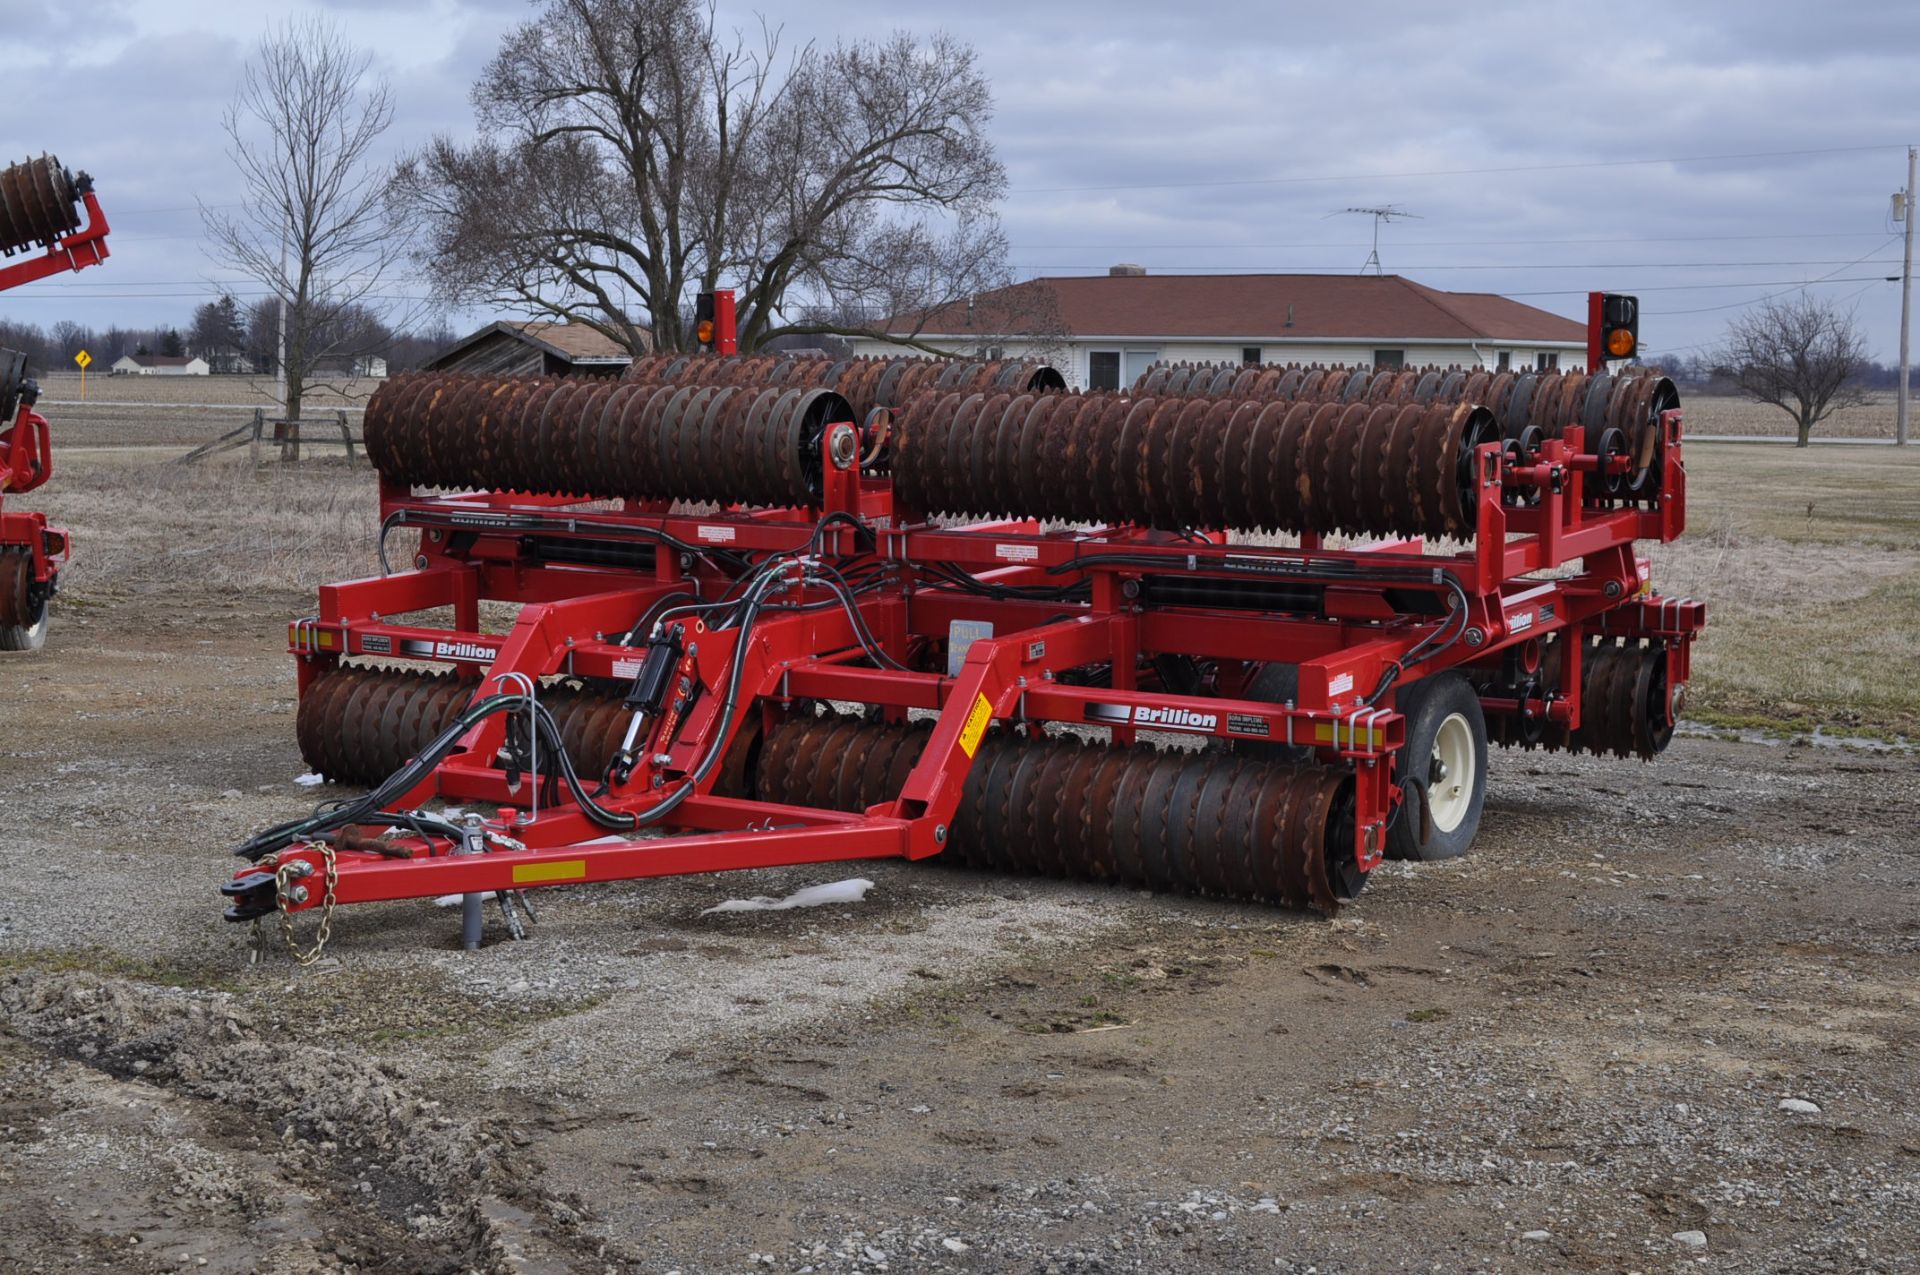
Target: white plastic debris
[
  {"x": 851, "y": 891},
  {"x": 1800, "y": 1106},
  {"x": 1537, "y": 1236},
  {"x": 1692, "y": 1239},
  {"x": 309, "y": 780}
]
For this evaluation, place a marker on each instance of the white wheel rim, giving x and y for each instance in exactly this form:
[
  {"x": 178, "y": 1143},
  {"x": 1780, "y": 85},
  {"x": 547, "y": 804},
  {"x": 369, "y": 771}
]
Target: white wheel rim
[{"x": 1451, "y": 777}]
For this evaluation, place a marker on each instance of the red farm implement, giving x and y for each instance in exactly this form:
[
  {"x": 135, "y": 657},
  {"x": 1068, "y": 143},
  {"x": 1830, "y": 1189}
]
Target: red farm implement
[
  {"x": 40, "y": 205},
  {"x": 743, "y": 640}
]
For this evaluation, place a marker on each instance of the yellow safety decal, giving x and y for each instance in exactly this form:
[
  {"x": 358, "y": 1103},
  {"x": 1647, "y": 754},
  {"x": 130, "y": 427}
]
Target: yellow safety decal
[
  {"x": 1326, "y": 733},
  {"x": 559, "y": 870},
  {"x": 324, "y": 638},
  {"x": 979, "y": 717}
]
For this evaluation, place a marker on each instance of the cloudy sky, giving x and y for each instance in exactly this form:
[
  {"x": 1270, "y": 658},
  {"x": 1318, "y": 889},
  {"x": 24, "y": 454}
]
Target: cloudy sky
[{"x": 1204, "y": 137}]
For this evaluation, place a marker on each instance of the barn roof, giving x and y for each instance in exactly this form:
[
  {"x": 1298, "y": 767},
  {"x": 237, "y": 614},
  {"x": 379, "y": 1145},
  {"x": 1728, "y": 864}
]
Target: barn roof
[
  {"x": 574, "y": 343},
  {"x": 1272, "y": 307}
]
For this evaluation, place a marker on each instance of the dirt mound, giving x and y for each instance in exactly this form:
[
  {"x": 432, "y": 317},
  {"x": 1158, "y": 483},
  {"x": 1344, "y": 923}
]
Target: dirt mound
[{"x": 440, "y": 1177}]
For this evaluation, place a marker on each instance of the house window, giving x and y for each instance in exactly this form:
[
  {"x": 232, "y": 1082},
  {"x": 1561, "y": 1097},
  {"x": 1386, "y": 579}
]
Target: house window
[
  {"x": 1118, "y": 369},
  {"x": 1506, "y": 361},
  {"x": 1250, "y": 355},
  {"x": 1389, "y": 358},
  {"x": 1546, "y": 362}
]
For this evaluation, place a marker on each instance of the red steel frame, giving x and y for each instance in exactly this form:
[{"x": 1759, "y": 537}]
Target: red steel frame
[
  {"x": 572, "y": 619},
  {"x": 26, "y": 453}
]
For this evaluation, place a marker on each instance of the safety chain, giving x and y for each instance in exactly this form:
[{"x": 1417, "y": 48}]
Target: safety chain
[{"x": 284, "y": 874}]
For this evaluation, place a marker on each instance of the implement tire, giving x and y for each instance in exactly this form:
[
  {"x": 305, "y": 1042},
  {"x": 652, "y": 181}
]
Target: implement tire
[
  {"x": 1442, "y": 771},
  {"x": 23, "y": 608}
]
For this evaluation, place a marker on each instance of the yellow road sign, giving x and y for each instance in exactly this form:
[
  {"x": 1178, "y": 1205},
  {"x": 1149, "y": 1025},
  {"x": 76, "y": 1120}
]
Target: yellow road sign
[{"x": 83, "y": 359}]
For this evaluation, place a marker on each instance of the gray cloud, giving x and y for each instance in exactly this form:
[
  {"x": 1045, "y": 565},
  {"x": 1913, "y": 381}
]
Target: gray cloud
[{"x": 1136, "y": 99}]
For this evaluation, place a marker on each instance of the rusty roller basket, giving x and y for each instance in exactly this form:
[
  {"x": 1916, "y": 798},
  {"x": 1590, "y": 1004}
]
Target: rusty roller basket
[
  {"x": 39, "y": 204},
  {"x": 1619, "y": 411},
  {"x": 600, "y": 438},
  {"x": 866, "y": 383},
  {"x": 1176, "y": 463},
  {"x": 1193, "y": 823}
]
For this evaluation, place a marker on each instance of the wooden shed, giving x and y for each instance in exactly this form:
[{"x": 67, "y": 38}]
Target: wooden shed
[{"x": 534, "y": 348}]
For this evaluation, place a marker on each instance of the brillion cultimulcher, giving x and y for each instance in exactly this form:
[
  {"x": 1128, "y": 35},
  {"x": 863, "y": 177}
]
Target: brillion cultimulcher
[
  {"x": 40, "y": 207},
  {"x": 784, "y": 610}
]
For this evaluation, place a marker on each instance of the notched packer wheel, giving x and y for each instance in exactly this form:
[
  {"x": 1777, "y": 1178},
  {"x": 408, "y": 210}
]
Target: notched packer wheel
[{"x": 1211, "y": 823}]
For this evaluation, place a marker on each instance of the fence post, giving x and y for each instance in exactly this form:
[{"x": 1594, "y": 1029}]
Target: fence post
[{"x": 259, "y": 428}]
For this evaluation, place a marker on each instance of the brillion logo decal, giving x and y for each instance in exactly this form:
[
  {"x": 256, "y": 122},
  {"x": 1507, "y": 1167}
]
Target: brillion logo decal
[
  {"x": 1152, "y": 718},
  {"x": 471, "y": 652}
]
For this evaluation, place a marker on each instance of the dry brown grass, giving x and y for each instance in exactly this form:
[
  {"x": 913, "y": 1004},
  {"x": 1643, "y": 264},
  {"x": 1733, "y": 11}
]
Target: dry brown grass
[
  {"x": 182, "y": 411},
  {"x": 1810, "y": 565},
  {"x": 222, "y": 391},
  {"x": 144, "y": 523},
  {"x": 1718, "y": 414}
]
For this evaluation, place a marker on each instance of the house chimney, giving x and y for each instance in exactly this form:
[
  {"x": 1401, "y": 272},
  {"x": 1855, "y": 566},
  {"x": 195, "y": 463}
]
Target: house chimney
[{"x": 1126, "y": 270}]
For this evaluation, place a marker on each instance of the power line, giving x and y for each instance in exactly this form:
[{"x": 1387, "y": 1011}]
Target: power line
[
  {"x": 1465, "y": 172},
  {"x": 1826, "y": 278},
  {"x": 1791, "y": 285}
]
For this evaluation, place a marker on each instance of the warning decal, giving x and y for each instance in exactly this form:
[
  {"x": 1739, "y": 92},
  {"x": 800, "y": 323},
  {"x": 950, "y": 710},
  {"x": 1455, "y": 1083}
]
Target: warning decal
[{"x": 979, "y": 717}]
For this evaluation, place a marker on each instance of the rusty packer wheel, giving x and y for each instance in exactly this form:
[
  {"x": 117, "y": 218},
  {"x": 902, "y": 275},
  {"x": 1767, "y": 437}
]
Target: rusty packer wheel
[
  {"x": 1208, "y": 823},
  {"x": 1628, "y": 707},
  {"x": 359, "y": 725},
  {"x": 39, "y": 204}
]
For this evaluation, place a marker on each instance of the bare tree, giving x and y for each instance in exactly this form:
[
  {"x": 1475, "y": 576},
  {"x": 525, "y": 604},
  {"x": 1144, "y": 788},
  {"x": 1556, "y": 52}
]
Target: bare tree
[
  {"x": 1804, "y": 356},
  {"x": 314, "y": 225},
  {"x": 633, "y": 153},
  {"x": 69, "y": 338}
]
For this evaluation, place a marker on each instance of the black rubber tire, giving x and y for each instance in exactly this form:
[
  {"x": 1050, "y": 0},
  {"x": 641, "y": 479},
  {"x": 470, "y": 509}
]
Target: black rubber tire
[
  {"x": 32, "y": 635},
  {"x": 1426, "y": 705},
  {"x": 1274, "y": 684}
]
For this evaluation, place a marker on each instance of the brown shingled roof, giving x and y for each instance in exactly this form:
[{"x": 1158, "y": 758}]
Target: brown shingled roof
[
  {"x": 576, "y": 340},
  {"x": 1264, "y": 306}
]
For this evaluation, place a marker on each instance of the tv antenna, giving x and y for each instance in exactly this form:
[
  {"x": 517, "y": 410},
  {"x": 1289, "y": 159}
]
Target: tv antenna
[{"x": 1383, "y": 212}]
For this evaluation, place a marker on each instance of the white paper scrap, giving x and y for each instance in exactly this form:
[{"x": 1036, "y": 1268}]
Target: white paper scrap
[{"x": 851, "y": 891}]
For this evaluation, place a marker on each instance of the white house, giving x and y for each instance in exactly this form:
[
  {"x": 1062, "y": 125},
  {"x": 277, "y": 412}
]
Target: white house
[
  {"x": 158, "y": 365},
  {"x": 1112, "y": 327}
]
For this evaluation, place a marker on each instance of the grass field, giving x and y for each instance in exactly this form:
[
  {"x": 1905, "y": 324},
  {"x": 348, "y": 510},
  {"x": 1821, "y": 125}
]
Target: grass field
[
  {"x": 178, "y": 411},
  {"x": 1810, "y": 565},
  {"x": 1716, "y": 414}
]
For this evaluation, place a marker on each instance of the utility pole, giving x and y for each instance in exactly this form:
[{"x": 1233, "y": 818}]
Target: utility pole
[{"x": 1906, "y": 303}]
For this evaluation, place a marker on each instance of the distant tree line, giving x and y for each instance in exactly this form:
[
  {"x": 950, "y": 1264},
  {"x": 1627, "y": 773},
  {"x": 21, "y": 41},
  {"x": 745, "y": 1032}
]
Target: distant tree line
[
  {"x": 234, "y": 337},
  {"x": 1709, "y": 375}
]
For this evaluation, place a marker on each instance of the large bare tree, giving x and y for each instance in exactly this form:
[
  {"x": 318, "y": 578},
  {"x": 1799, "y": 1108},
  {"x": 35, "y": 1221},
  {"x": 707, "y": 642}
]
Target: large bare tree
[
  {"x": 1803, "y": 355},
  {"x": 632, "y": 153},
  {"x": 313, "y": 224}
]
